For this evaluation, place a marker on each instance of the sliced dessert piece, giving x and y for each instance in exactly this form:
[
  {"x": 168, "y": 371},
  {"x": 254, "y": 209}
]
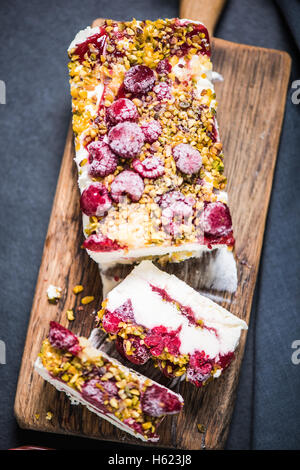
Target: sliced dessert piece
[
  {"x": 147, "y": 144},
  {"x": 155, "y": 315},
  {"x": 123, "y": 397}
]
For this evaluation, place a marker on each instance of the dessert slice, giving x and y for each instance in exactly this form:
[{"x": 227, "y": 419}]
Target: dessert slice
[
  {"x": 123, "y": 397},
  {"x": 155, "y": 315},
  {"x": 147, "y": 144}
]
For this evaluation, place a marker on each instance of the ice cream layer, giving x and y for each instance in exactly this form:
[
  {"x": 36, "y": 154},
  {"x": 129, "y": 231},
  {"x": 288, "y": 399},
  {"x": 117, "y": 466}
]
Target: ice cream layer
[{"x": 157, "y": 315}]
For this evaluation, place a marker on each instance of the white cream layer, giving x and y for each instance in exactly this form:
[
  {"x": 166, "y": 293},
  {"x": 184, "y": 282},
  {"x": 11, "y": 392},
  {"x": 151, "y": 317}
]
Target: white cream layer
[{"x": 150, "y": 310}]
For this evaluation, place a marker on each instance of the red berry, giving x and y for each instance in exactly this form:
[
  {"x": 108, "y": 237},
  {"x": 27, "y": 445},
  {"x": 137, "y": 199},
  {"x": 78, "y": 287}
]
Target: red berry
[
  {"x": 157, "y": 401},
  {"x": 100, "y": 243},
  {"x": 127, "y": 183},
  {"x": 111, "y": 320},
  {"x": 163, "y": 67},
  {"x": 216, "y": 219},
  {"x": 97, "y": 391},
  {"x": 95, "y": 200},
  {"x": 62, "y": 338},
  {"x": 199, "y": 369},
  {"x": 139, "y": 353},
  {"x": 163, "y": 91},
  {"x": 169, "y": 198},
  {"x": 102, "y": 160},
  {"x": 122, "y": 110},
  {"x": 139, "y": 79},
  {"x": 152, "y": 130},
  {"x": 151, "y": 167},
  {"x": 187, "y": 158},
  {"x": 126, "y": 139},
  {"x": 176, "y": 210}
]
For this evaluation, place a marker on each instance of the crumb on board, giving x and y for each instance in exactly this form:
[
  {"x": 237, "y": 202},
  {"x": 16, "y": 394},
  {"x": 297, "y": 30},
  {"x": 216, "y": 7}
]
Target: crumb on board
[
  {"x": 87, "y": 300},
  {"x": 201, "y": 428},
  {"x": 77, "y": 289},
  {"x": 49, "y": 416},
  {"x": 53, "y": 293},
  {"x": 70, "y": 315}
]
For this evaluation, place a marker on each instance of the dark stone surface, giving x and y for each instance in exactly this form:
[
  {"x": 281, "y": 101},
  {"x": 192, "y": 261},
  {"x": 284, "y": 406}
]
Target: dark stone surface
[{"x": 34, "y": 36}]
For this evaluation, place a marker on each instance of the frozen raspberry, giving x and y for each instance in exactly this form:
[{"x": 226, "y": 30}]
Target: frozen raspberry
[
  {"x": 127, "y": 182},
  {"x": 100, "y": 243},
  {"x": 176, "y": 210},
  {"x": 126, "y": 139},
  {"x": 62, "y": 338},
  {"x": 225, "y": 360},
  {"x": 152, "y": 130},
  {"x": 111, "y": 320},
  {"x": 102, "y": 160},
  {"x": 163, "y": 91},
  {"x": 216, "y": 219},
  {"x": 139, "y": 79},
  {"x": 187, "y": 158},
  {"x": 169, "y": 198},
  {"x": 122, "y": 110},
  {"x": 199, "y": 369},
  {"x": 160, "y": 338},
  {"x": 157, "y": 401},
  {"x": 95, "y": 200},
  {"x": 97, "y": 391},
  {"x": 163, "y": 67},
  {"x": 138, "y": 354},
  {"x": 151, "y": 167}
]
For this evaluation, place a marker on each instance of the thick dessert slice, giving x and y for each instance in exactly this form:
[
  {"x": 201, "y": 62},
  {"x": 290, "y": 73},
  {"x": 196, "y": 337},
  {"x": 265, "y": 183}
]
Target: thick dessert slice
[
  {"x": 147, "y": 144},
  {"x": 155, "y": 315},
  {"x": 123, "y": 397}
]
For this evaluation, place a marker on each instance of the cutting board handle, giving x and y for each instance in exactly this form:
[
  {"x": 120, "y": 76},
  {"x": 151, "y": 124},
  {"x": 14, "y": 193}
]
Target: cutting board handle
[{"x": 207, "y": 11}]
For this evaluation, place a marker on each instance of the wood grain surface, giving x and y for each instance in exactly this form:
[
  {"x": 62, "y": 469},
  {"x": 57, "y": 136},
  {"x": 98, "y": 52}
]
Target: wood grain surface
[
  {"x": 251, "y": 108},
  {"x": 206, "y": 11}
]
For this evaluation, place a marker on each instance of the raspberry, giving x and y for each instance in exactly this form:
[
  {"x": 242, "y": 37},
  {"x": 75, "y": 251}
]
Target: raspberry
[
  {"x": 169, "y": 198},
  {"x": 122, "y": 110},
  {"x": 151, "y": 167},
  {"x": 62, "y": 338},
  {"x": 102, "y": 160},
  {"x": 139, "y": 79},
  {"x": 111, "y": 320},
  {"x": 176, "y": 209},
  {"x": 225, "y": 360},
  {"x": 151, "y": 130},
  {"x": 139, "y": 353},
  {"x": 163, "y": 91},
  {"x": 199, "y": 369},
  {"x": 95, "y": 200},
  {"x": 160, "y": 338},
  {"x": 187, "y": 158},
  {"x": 100, "y": 243},
  {"x": 157, "y": 401},
  {"x": 97, "y": 391},
  {"x": 127, "y": 182},
  {"x": 163, "y": 67},
  {"x": 216, "y": 219},
  {"x": 126, "y": 139}
]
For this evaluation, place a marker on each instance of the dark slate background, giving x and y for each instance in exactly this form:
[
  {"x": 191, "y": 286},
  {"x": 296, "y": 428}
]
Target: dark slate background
[{"x": 34, "y": 36}]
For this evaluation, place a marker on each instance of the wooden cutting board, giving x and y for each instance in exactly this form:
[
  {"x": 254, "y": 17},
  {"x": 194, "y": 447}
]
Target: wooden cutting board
[{"x": 251, "y": 107}]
